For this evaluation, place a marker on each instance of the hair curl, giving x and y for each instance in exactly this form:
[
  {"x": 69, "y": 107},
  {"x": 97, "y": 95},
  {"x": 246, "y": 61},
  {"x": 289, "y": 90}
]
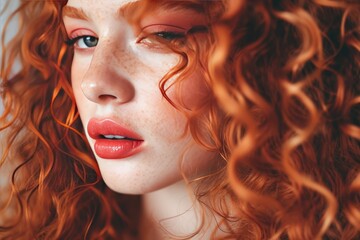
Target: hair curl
[
  {"x": 286, "y": 74},
  {"x": 55, "y": 188},
  {"x": 284, "y": 115}
]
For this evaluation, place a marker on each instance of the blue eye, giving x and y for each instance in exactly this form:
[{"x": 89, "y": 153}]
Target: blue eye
[{"x": 83, "y": 42}]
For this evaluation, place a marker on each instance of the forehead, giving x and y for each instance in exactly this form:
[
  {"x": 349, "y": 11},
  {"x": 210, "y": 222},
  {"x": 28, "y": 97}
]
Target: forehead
[
  {"x": 104, "y": 3},
  {"x": 79, "y": 8},
  {"x": 192, "y": 12},
  {"x": 98, "y": 5}
]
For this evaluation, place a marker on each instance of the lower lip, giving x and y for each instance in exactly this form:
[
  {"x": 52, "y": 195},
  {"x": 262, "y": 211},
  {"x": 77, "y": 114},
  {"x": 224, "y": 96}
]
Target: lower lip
[{"x": 116, "y": 149}]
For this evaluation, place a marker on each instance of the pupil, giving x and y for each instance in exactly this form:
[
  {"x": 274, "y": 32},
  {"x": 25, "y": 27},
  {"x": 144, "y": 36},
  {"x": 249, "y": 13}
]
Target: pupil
[{"x": 90, "y": 41}]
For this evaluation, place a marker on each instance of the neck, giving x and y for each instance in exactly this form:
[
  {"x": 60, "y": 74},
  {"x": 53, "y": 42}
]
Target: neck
[{"x": 171, "y": 210}]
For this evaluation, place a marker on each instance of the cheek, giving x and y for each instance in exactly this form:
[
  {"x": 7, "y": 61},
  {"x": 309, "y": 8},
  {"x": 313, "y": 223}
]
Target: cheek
[
  {"x": 77, "y": 73},
  {"x": 199, "y": 162},
  {"x": 191, "y": 93}
]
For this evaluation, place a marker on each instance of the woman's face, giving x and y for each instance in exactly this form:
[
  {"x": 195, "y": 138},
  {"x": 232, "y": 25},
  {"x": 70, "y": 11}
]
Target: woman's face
[{"x": 136, "y": 135}]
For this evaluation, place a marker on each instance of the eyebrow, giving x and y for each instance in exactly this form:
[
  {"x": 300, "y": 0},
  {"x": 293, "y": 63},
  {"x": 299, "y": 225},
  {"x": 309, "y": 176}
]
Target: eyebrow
[
  {"x": 72, "y": 12},
  {"x": 79, "y": 13},
  {"x": 182, "y": 5}
]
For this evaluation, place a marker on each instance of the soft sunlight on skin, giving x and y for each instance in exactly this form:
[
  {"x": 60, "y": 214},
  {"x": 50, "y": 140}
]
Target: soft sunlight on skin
[
  {"x": 118, "y": 78},
  {"x": 180, "y": 119}
]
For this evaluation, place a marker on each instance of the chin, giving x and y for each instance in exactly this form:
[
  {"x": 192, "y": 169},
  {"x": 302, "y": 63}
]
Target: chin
[{"x": 138, "y": 186}]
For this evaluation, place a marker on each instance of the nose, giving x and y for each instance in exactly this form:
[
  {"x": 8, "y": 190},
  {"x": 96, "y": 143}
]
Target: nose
[{"x": 107, "y": 79}]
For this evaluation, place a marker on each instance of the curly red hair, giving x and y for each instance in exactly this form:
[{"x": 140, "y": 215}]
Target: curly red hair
[
  {"x": 291, "y": 92},
  {"x": 55, "y": 188},
  {"x": 284, "y": 117}
]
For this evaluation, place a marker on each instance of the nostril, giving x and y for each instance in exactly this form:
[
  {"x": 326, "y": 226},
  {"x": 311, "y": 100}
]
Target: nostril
[
  {"x": 103, "y": 87},
  {"x": 107, "y": 97}
]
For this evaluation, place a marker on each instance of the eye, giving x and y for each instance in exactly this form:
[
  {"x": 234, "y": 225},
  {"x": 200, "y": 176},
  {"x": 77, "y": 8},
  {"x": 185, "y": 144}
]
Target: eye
[
  {"x": 83, "y": 42},
  {"x": 162, "y": 36},
  {"x": 164, "y": 39},
  {"x": 170, "y": 35}
]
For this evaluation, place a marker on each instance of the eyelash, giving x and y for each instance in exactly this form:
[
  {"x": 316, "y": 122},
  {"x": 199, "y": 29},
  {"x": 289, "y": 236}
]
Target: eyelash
[
  {"x": 171, "y": 36},
  {"x": 165, "y": 36},
  {"x": 74, "y": 41}
]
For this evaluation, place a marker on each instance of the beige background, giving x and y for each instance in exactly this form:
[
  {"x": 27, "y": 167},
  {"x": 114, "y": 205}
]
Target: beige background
[{"x": 6, "y": 7}]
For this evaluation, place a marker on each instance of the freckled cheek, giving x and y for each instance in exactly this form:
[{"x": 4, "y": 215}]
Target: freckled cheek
[
  {"x": 77, "y": 73},
  {"x": 79, "y": 67}
]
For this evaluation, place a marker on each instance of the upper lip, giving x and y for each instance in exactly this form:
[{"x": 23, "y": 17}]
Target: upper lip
[{"x": 97, "y": 129}]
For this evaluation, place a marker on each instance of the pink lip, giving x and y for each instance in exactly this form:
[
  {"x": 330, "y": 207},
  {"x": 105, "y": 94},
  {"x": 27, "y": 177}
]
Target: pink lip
[{"x": 113, "y": 148}]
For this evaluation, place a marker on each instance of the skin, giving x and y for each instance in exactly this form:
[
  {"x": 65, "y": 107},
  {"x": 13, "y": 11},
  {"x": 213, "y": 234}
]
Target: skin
[{"x": 118, "y": 79}]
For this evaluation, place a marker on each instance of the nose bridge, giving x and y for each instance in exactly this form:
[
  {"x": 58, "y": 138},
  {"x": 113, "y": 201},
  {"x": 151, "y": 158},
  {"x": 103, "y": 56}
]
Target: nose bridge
[{"x": 108, "y": 78}]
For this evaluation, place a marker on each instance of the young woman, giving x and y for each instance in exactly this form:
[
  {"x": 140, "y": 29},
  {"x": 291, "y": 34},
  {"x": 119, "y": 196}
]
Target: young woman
[{"x": 182, "y": 119}]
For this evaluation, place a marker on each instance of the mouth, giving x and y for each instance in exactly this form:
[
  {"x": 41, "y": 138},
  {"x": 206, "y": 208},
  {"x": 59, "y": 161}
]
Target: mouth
[
  {"x": 113, "y": 141},
  {"x": 116, "y": 137}
]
